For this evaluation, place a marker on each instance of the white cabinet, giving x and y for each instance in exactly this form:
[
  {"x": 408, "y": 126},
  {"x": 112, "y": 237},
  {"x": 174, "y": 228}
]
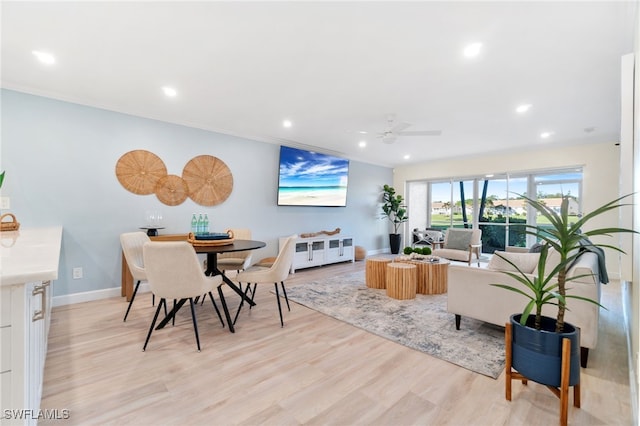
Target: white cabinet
[
  {"x": 24, "y": 329},
  {"x": 321, "y": 250},
  {"x": 340, "y": 250},
  {"x": 30, "y": 260}
]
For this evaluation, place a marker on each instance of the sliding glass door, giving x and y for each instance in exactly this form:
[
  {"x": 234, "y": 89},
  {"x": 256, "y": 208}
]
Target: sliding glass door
[{"x": 494, "y": 203}]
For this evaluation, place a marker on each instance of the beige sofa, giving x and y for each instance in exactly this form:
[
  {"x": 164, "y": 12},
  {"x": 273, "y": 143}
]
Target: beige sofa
[{"x": 471, "y": 294}]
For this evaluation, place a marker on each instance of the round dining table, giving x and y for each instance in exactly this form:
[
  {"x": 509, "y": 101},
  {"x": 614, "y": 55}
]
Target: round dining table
[{"x": 212, "y": 252}]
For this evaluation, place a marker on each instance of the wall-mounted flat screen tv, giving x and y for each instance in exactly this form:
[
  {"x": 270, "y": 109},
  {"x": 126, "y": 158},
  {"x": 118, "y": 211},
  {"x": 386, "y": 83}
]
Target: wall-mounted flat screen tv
[{"x": 312, "y": 179}]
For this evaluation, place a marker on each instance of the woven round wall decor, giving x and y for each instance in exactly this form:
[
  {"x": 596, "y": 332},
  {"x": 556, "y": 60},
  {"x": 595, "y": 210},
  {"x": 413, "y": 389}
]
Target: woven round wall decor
[
  {"x": 139, "y": 171},
  {"x": 172, "y": 190},
  {"x": 209, "y": 180}
]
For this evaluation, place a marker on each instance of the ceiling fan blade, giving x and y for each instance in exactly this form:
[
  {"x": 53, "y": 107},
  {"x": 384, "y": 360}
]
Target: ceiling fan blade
[
  {"x": 399, "y": 127},
  {"x": 420, "y": 133}
]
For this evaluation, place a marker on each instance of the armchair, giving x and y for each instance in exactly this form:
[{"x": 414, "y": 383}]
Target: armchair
[
  {"x": 461, "y": 244},
  {"x": 426, "y": 236}
]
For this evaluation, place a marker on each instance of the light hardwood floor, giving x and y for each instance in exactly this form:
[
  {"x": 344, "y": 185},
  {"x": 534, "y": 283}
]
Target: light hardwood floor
[{"x": 315, "y": 370}]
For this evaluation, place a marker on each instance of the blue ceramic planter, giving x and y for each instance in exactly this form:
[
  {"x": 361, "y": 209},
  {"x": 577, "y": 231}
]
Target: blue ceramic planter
[{"x": 537, "y": 354}]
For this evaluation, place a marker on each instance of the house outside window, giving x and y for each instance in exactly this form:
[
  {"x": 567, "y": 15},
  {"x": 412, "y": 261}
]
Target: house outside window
[{"x": 493, "y": 203}]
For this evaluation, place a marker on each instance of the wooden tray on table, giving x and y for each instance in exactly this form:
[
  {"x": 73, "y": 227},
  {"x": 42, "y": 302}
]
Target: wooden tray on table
[{"x": 210, "y": 242}]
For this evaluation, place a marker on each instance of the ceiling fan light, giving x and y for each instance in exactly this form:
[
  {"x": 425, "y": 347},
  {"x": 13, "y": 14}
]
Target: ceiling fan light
[
  {"x": 472, "y": 50},
  {"x": 388, "y": 139}
]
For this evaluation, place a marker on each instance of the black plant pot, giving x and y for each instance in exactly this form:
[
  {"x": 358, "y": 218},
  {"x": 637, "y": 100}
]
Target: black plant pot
[
  {"x": 394, "y": 243},
  {"x": 537, "y": 354}
]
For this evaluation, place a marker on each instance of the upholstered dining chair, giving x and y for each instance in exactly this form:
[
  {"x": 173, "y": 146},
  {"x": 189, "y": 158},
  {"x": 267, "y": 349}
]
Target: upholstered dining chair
[
  {"x": 461, "y": 244},
  {"x": 277, "y": 273},
  {"x": 237, "y": 260},
  {"x": 132, "y": 243},
  {"x": 174, "y": 272}
]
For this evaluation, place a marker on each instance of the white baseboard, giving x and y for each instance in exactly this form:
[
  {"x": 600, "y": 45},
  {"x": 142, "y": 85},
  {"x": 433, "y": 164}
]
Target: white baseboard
[{"x": 88, "y": 296}]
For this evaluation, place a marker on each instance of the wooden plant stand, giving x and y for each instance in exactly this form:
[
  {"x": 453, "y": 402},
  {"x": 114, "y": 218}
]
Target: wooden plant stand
[{"x": 562, "y": 392}]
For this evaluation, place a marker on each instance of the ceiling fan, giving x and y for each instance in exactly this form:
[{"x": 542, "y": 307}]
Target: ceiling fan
[{"x": 396, "y": 130}]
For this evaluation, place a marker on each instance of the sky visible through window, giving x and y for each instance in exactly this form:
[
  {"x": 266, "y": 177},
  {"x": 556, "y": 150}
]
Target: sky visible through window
[{"x": 441, "y": 192}]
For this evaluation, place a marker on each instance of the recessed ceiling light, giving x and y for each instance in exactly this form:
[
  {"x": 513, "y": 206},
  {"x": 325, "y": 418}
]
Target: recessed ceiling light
[
  {"x": 523, "y": 108},
  {"x": 169, "y": 91},
  {"x": 287, "y": 123},
  {"x": 488, "y": 176},
  {"x": 362, "y": 144},
  {"x": 44, "y": 57},
  {"x": 545, "y": 135},
  {"x": 407, "y": 156},
  {"x": 472, "y": 50},
  {"x": 362, "y": 132}
]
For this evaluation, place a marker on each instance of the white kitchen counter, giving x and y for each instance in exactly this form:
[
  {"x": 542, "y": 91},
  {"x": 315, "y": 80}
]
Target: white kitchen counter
[
  {"x": 29, "y": 255},
  {"x": 28, "y": 265}
]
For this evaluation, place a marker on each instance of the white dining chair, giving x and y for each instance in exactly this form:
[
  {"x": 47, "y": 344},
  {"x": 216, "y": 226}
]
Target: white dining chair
[
  {"x": 174, "y": 272},
  {"x": 132, "y": 243},
  {"x": 237, "y": 260},
  {"x": 277, "y": 273}
]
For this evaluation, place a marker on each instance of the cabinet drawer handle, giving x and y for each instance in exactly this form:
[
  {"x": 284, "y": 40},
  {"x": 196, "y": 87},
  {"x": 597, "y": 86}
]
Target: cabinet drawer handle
[{"x": 42, "y": 291}]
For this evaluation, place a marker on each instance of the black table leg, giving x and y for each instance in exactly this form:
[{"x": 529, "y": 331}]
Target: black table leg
[
  {"x": 226, "y": 309},
  {"x": 212, "y": 269},
  {"x": 171, "y": 314}
]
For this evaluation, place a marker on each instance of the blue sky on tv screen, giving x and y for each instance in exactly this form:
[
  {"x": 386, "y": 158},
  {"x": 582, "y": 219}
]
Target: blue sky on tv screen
[{"x": 300, "y": 168}]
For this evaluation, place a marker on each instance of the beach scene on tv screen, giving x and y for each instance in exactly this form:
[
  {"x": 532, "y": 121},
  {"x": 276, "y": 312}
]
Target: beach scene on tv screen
[{"x": 312, "y": 179}]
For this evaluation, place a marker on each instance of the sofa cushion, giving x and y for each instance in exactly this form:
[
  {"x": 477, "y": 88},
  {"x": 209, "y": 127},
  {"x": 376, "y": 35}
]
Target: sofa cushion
[
  {"x": 527, "y": 262},
  {"x": 458, "y": 239}
]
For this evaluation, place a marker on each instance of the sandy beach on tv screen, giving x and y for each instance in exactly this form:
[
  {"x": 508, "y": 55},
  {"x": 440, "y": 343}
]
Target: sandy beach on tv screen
[{"x": 316, "y": 200}]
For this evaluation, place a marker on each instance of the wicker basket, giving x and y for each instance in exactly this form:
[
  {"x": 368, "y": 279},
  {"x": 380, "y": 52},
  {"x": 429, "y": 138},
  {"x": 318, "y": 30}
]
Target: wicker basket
[
  {"x": 209, "y": 243},
  {"x": 13, "y": 225}
]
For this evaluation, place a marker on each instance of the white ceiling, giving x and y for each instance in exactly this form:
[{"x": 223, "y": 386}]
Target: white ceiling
[{"x": 336, "y": 68}]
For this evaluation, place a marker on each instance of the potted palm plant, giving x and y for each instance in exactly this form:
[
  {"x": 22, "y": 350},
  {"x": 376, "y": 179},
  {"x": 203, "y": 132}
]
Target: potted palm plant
[
  {"x": 533, "y": 333},
  {"x": 393, "y": 208}
]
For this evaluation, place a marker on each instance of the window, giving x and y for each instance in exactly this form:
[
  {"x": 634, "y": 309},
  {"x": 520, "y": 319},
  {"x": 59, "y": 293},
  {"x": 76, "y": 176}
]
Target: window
[{"x": 493, "y": 203}]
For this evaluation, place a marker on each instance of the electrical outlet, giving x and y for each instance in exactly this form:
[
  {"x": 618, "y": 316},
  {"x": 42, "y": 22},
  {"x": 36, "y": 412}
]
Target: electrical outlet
[
  {"x": 77, "y": 273},
  {"x": 5, "y": 203}
]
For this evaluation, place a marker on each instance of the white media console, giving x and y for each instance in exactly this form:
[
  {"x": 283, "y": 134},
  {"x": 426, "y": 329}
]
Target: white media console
[{"x": 321, "y": 250}]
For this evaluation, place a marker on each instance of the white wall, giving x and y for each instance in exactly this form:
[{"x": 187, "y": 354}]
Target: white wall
[
  {"x": 635, "y": 283},
  {"x": 60, "y": 162},
  {"x": 600, "y": 164}
]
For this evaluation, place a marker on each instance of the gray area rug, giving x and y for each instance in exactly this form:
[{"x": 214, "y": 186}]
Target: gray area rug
[{"x": 422, "y": 323}]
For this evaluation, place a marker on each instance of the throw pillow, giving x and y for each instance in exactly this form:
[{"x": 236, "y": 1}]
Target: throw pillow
[
  {"x": 458, "y": 239},
  {"x": 553, "y": 258},
  {"x": 434, "y": 235},
  {"x": 527, "y": 262},
  {"x": 536, "y": 248}
]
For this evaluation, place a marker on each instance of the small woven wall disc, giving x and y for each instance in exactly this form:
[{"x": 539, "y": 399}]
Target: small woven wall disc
[
  {"x": 139, "y": 171},
  {"x": 209, "y": 179},
  {"x": 172, "y": 190}
]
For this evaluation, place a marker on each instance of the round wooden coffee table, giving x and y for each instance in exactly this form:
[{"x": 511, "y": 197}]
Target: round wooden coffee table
[
  {"x": 401, "y": 280},
  {"x": 431, "y": 276},
  {"x": 376, "y": 272}
]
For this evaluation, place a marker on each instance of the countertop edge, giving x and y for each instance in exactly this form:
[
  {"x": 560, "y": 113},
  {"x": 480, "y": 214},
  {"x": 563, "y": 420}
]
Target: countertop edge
[{"x": 18, "y": 267}]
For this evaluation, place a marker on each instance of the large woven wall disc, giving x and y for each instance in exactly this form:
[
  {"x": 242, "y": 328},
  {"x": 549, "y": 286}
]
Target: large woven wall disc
[
  {"x": 209, "y": 179},
  {"x": 139, "y": 171},
  {"x": 172, "y": 190}
]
